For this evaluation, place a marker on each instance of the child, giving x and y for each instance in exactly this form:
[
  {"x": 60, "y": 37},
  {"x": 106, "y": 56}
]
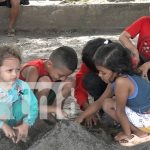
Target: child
[
  {"x": 43, "y": 74},
  {"x": 131, "y": 104},
  {"x": 87, "y": 79},
  {"x": 18, "y": 105},
  {"x": 141, "y": 52},
  {"x": 14, "y": 6}
]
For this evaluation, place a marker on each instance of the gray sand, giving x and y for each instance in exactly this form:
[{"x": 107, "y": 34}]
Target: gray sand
[{"x": 71, "y": 136}]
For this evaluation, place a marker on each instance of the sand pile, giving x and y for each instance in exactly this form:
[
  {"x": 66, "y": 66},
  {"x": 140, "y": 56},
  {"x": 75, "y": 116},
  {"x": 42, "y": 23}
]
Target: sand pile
[{"x": 68, "y": 135}]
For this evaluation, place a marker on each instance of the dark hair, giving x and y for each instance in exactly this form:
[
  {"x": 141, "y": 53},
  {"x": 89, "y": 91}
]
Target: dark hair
[
  {"x": 8, "y": 52},
  {"x": 89, "y": 51},
  {"x": 65, "y": 56},
  {"x": 116, "y": 58}
]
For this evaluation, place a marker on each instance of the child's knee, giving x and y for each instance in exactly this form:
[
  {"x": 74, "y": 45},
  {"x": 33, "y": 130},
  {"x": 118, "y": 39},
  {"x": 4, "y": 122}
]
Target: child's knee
[
  {"x": 67, "y": 88},
  {"x": 68, "y": 85},
  {"x": 5, "y": 112},
  {"x": 15, "y": 3},
  {"x": 108, "y": 104},
  {"x": 43, "y": 83},
  {"x": 20, "y": 109},
  {"x": 44, "y": 79},
  {"x": 73, "y": 82}
]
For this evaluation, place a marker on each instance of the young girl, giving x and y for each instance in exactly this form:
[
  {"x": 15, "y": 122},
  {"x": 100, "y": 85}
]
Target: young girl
[
  {"x": 18, "y": 105},
  {"x": 87, "y": 80},
  {"x": 131, "y": 104}
]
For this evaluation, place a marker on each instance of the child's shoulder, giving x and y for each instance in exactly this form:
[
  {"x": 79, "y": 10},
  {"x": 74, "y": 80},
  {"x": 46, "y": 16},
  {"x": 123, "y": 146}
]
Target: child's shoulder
[
  {"x": 144, "y": 18},
  {"x": 35, "y": 64},
  {"x": 122, "y": 80}
]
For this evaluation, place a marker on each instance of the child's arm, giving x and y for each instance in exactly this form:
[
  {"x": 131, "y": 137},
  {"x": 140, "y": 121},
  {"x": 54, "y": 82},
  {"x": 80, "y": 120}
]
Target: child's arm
[
  {"x": 31, "y": 75},
  {"x": 122, "y": 90},
  {"x": 93, "y": 108},
  {"x": 125, "y": 40}
]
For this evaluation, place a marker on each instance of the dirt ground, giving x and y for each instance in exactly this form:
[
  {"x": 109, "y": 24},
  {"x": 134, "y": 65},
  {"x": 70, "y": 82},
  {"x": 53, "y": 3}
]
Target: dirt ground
[
  {"x": 33, "y": 45},
  {"x": 65, "y": 135}
]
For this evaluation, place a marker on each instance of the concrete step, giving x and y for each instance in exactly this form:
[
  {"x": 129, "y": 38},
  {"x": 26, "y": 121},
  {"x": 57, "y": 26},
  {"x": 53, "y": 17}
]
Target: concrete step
[{"x": 54, "y": 16}]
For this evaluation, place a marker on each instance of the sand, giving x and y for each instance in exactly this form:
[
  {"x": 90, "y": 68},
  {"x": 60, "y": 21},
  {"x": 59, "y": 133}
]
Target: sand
[{"x": 68, "y": 135}]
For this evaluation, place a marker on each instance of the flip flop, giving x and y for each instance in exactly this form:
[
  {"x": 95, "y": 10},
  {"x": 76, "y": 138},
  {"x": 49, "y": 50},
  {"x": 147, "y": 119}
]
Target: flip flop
[
  {"x": 11, "y": 33},
  {"x": 134, "y": 140}
]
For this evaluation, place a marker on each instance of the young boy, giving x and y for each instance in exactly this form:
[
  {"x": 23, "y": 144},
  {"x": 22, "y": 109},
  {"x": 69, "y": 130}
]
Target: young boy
[
  {"x": 41, "y": 74},
  {"x": 87, "y": 79},
  {"x": 140, "y": 27}
]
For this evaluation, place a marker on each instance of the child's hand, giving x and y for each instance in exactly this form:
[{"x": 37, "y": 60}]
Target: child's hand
[
  {"x": 144, "y": 68},
  {"x": 79, "y": 119},
  {"x": 90, "y": 121},
  {"x": 22, "y": 132},
  {"x": 9, "y": 132}
]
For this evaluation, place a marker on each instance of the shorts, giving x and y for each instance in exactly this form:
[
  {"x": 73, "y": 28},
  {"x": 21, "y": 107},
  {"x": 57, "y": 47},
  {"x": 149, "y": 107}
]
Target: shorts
[{"x": 141, "y": 121}]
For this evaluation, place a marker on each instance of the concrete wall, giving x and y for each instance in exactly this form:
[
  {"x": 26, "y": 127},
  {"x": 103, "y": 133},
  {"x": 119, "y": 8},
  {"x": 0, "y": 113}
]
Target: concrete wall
[{"x": 101, "y": 17}]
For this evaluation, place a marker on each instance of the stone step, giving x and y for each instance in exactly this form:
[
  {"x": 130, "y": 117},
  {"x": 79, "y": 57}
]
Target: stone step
[{"x": 54, "y": 16}]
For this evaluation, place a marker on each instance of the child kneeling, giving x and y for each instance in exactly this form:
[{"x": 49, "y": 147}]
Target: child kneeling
[{"x": 18, "y": 105}]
